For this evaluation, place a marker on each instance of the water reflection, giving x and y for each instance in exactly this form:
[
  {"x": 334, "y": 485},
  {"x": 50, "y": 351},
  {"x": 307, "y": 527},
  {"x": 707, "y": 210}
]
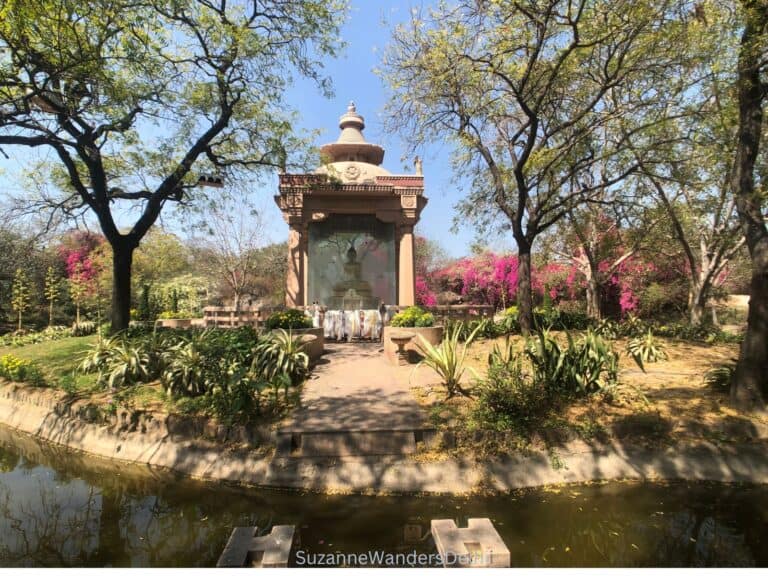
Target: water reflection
[{"x": 64, "y": 509}]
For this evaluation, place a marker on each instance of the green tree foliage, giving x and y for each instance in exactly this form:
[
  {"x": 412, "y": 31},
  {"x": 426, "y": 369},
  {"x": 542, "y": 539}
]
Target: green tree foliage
[
  {"x": 21, "y": 295},
  {"x": 686, "y": 170},
  {"x": 161, "y": 257},
  {"x": 52, "y": 291},
  {"x": 135, "y": 100},
  {"x": 77, "y": 284},
  {"x": 529, "y": 95}
]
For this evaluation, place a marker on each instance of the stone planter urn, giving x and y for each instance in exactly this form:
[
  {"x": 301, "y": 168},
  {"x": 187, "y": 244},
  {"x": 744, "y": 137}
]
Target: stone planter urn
[
  {"x": 314, "y": 347},
  {"x": 432, "y": 334}
]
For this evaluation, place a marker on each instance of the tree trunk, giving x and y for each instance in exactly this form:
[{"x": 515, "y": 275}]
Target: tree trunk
[
  {"x": 50, "y": 313},
  {"x": 750, "y": 385},
  {"x": 524, "y": 296},
  {"x": 696, "y": 301},
  {"x": 593, "y": 297},
  {"x": 122, "y": 260}
]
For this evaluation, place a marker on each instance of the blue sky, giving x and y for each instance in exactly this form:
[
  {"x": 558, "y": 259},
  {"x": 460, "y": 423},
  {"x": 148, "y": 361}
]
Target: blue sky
[{"x": 366, "y": 34}]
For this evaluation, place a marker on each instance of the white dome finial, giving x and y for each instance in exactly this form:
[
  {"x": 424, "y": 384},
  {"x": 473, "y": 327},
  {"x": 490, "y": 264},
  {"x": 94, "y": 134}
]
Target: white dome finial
[{"x": 351, "y": 107}]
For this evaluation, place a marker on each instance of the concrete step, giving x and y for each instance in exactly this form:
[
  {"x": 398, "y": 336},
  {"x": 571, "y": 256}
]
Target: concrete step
[{"x": 350, "y": 442}]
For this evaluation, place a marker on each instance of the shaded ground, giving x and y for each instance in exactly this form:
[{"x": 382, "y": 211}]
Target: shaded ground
[{"x": 355, "y": 388}]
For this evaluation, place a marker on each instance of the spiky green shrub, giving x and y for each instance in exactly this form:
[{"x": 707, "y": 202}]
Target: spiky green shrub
[
  {"x": 118, "y": 362},
  {"x": 581, "y": 368},
  {"x": 84, "y": 328},
  {"x": 632, "y": 327},
  {"x": 646, "y": 349},
  {"x": 607, "y": 328},
  {"x": 447, "y": 358},
  {"x": 187, "y": 370},
  {"x": 502, "y": 355},
  {"x": 720, "y": 377},
  {"x": 280, "y": 353},
  {"x": 593, "y": 366}
]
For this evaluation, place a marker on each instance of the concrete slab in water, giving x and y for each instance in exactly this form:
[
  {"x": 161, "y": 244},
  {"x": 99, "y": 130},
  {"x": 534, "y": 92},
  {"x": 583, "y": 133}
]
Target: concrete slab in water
[
  {"x": 245, "y": 549},
  {"x": 476, "y": 546}
]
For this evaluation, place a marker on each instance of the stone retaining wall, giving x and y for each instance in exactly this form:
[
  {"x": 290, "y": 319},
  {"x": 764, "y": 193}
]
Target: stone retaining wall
[
  {"x": 137, "y": 440},
  {"x": 155, "y": 426}
]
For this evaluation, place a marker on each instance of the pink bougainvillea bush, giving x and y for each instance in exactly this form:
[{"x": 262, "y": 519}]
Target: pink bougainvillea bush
[
  {"x": 424, "y": 294},
  {"x": 636, "y": 286},
  {"x": 76, "y": 251}
]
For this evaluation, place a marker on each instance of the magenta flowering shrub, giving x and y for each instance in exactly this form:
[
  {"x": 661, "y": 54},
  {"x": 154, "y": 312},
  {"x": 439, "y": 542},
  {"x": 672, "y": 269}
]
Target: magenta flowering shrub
[
  {"x": 76, "y": 251},
  {"x": 490, "y": 278},
  {"x": 424, "y": 294},
  {"x": 82, "y": 253},
  {"x": 484, "y": 279},
  {"x": 558, "y": 281}
]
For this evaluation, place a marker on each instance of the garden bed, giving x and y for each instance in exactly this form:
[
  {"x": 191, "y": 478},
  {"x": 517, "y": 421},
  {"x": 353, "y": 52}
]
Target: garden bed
[
  {"x": 223, "y": 400},
  {"x": 670, "y": 403}
]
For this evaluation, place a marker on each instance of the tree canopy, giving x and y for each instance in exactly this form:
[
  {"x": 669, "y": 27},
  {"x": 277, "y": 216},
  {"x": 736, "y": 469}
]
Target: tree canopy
[
  {"x": 139, "y": 99},
  {"x": 530, "y": 95}
]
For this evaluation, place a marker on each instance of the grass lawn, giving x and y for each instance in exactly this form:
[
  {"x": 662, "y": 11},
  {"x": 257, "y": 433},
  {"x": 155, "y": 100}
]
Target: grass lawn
[
  {"x": 59, "y": 359},
  {"x": 668, "y": 403}
]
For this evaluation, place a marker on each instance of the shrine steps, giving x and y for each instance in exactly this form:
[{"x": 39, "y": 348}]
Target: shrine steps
[{"x": 315, "y": 443}]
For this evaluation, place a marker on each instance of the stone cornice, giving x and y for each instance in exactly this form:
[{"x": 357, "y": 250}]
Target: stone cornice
[{"x": 322, "y": 183}]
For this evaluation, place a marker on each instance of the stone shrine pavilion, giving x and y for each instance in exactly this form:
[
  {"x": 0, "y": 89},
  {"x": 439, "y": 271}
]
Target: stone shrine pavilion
[{"x": 351, "y": 245}]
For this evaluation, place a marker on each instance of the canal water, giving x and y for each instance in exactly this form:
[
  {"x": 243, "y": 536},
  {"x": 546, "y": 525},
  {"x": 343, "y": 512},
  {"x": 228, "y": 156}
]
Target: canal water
[{"x": 59, "y": 508}]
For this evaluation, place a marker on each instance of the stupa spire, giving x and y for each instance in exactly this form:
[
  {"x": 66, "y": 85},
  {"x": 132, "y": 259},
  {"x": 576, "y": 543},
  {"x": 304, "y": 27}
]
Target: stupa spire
[{"x": 351, "y": 144}]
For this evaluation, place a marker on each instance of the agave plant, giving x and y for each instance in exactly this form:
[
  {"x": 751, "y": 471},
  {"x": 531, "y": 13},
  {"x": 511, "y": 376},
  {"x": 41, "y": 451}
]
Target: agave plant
[
  {"x": 117, "y": 361},
  {"x": 280, "y": 353},
  {"x": 447, "y": 359},
  {"x": 127, "y": 365},
  {"x": 593, "y": 364},
  {"x": 607, "y": 328},
  {"x": 721, "y": 376},
  {"x": 186, "y": 369},
  {"x": 547, "y": 358},
  {"x": 646, "y": 349},
  {"x": 505, "y": 356},
  {"x": 632, "y": 326},
  {"x": 583, "y": 367},
  {"x": 98, "y": 356}
]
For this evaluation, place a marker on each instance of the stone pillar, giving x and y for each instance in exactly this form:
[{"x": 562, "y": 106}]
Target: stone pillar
[
  {"x": 294, "y": 284},
  {"x": 406, "y": 273},
  {"x": 305, "y": 265}
]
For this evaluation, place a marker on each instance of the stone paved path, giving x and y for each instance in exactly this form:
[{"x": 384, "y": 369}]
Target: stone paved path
[{"x": 356, "y": 389}]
